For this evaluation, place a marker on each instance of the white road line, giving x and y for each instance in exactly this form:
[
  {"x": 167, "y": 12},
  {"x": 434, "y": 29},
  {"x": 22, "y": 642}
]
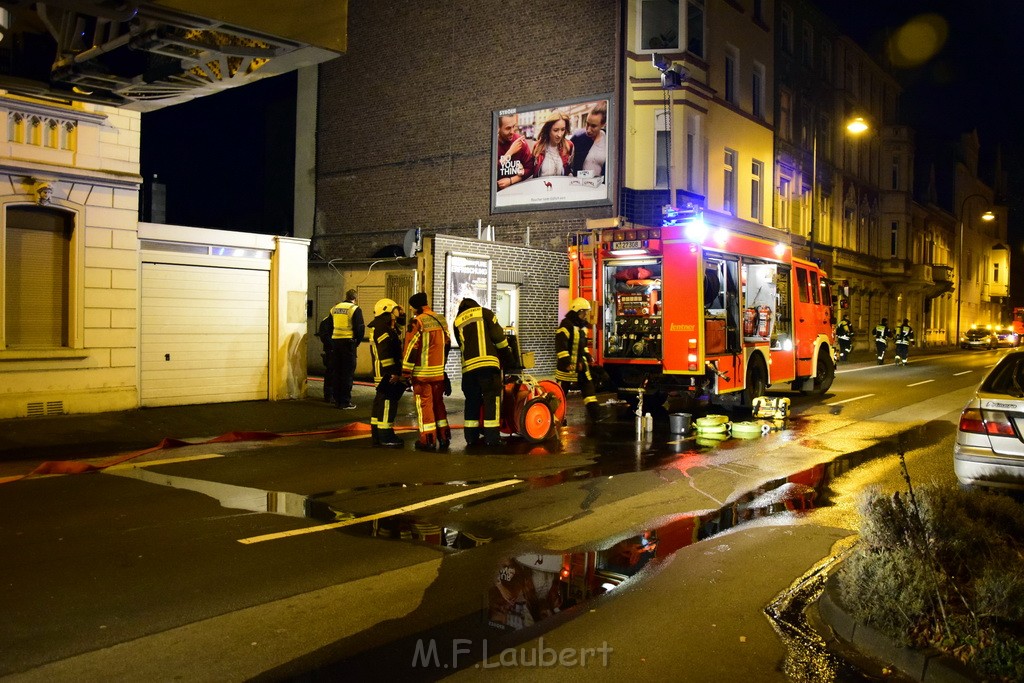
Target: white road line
[
  {"x": 379, "y": 515},
  {"x": 165, "y": 461},
  {"x": 855, "y": 398},
  {"x": 965, "y": 372},
  {"x": 917, "y": 384}
]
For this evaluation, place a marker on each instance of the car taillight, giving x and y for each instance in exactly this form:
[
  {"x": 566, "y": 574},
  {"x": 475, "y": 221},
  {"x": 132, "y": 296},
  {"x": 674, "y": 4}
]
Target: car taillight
[
  {"x": 991, "y": 422},
  {"x": 971, "y": 421},
  {"x": 997, "y": 423}
]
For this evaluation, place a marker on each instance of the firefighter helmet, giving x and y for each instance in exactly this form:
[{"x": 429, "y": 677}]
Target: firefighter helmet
[
  {"x": 579, "y": 304},
  {"x": 384, "y": 306}
]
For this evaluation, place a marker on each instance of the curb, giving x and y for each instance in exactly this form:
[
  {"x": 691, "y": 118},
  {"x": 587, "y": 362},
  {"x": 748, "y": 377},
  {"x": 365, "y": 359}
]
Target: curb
[{"x": 928, "y": 666}]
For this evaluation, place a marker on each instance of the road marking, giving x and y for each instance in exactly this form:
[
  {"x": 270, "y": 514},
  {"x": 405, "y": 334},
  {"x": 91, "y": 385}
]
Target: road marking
[
  {"x": 965, "y": 372},
  {"x": 379, "y": 515},
  {"x": 855, "y": 398},
  {"x": 165, "y": 461},
  {"x": 917, "y": 384}
]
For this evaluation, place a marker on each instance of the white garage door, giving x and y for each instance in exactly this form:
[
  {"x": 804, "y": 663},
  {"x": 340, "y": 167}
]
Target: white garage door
[{"x": 204, "y": 334}]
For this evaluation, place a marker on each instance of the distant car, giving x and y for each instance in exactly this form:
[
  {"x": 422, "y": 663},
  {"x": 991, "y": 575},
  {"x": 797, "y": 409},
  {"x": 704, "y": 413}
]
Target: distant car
[
  {"x": 977, "y": 338},
  {"x": 989, "y": 448},
  {"x": 1007, "y": 337}
]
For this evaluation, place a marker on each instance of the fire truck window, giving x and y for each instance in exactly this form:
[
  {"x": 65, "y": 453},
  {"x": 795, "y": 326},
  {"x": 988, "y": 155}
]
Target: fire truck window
[
  {"x": 801, "y": 285},
  {"x": 714, "y": 294},
  {"x": 826, "y": 292},
  {"x": 815, "y": 289}
]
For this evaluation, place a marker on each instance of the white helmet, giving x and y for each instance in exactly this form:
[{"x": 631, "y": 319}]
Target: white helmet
[
  {"x": 579, "y": 304},
  {"x": 384, "y": 306}
]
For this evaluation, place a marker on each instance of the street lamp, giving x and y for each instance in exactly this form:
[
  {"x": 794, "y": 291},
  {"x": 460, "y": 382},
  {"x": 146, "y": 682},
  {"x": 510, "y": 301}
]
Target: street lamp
[
  {"x": 856, "y": 127},
  {"x": 987, "y": 216}
]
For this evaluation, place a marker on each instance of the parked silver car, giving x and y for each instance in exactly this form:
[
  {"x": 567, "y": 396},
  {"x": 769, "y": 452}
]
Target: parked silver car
[{"x": 989, "y": 448}]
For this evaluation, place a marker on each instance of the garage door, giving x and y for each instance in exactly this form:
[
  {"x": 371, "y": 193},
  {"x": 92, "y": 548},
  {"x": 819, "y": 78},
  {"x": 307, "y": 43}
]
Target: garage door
[{"x": 204, "y": 334}]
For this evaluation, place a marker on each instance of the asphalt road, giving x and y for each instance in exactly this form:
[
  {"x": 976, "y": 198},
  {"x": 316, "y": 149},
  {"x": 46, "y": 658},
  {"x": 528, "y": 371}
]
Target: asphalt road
[{"x": 212, "y": 565}]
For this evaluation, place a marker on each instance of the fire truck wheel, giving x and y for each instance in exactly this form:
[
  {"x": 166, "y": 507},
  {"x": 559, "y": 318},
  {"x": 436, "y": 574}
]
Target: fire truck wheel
[
  {"x": 823, "y": 374},
  {"x": 757, "y": 380}
]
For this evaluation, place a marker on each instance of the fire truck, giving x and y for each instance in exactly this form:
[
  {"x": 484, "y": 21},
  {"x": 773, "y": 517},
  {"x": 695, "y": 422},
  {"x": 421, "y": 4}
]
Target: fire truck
[{"x": 708, "y": 314}]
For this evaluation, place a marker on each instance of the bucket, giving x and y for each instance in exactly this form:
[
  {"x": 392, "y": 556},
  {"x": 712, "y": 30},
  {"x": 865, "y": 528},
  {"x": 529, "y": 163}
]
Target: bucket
[{"x": 679, "y": 423}]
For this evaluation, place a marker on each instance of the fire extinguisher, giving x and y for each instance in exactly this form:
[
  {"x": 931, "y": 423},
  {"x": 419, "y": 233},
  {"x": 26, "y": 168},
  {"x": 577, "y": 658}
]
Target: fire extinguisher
[
  {"x": 764, "y": 321},
  {"x": 749, "y": 321}
]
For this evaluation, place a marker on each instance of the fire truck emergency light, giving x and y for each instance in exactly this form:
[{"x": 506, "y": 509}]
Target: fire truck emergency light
[{"x": 780, "y": 249}]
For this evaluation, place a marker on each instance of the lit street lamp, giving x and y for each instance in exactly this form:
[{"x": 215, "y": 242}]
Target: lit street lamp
[
  {"x": 855, "y": 126},
  {"x": 987, "y": 216}
]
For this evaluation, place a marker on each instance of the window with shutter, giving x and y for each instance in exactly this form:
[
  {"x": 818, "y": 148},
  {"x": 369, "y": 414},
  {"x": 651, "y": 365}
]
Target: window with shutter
[{"x": 37, "y": 259}]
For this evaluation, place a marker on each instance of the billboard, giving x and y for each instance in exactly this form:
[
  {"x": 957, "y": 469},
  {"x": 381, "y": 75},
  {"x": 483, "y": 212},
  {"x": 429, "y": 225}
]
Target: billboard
[
  {"x": 466, "y": 275},
  {"x": 553, "y": 155}
]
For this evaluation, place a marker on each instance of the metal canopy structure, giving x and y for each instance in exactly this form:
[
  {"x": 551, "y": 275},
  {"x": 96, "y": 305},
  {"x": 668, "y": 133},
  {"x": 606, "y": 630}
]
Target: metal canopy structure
[{"x": 148, "y": 55}]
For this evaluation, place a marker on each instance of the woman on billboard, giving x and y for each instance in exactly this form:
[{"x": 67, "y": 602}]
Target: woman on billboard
[{"x": 552, "y": 153}]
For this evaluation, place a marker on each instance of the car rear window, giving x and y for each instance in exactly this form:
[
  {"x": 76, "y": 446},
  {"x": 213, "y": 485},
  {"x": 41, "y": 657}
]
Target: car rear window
[{"x": 1007, "y": 377}]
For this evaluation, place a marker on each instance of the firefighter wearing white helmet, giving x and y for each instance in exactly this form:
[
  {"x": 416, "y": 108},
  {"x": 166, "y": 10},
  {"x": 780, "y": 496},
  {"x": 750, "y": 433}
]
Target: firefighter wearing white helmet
[
  {"x": 572, "y": 350},
  {"x": 386, "y": 353}
]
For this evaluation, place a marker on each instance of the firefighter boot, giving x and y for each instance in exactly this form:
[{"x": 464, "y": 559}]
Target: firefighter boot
[
  {"x": 492, "y": 437},
  {"x": 472, "y": 435},
  {"x": 374, "y": 435},
  {"x": 593, "y": 412},
  {"x": 425, "y": 443},
  {"x": 389, "y": 439},
  {"x": 444, "y": 438}
]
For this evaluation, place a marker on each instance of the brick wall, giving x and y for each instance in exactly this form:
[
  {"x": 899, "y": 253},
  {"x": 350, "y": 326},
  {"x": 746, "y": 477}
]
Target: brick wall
[
  {"x": 404, "y": 123},
  {"x": 542, "y": 273}
]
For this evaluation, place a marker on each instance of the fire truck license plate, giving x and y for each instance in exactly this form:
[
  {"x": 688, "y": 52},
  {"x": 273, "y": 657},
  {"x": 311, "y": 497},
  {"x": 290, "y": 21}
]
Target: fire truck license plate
[{"x": 634, "y": 244}]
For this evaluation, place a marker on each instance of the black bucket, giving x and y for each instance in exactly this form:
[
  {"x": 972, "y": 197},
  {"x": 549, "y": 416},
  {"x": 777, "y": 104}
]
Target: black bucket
[{"x": 679, "y": 423}]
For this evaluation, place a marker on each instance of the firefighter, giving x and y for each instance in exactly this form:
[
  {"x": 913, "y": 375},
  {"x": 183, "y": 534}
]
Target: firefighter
[
  {"x": 572, "y": 351},
  {"x": 485, "y": 351},
  {"x": 844, "y": 334},
  {"x": 426, "y": 352},
  {"x": 882, "y": 335},
  {"x": 904, "y": 337},
  {"x": 386, "y": 353}
]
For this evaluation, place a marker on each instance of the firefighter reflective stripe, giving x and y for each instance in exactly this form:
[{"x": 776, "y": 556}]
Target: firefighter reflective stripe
[
  {"x": 342, "y": 316},
  {"x": 426, "y": 348},
  {"x": 480, "y": 336},
  {"x": 496, "y": 422},
  {"x": 570, "y": 350},
  {"x": 385, "y": 424}
]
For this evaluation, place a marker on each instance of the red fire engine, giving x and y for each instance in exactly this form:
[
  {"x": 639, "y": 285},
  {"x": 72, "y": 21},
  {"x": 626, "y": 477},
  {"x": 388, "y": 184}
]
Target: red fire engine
[{"x": 711, "y": 314}]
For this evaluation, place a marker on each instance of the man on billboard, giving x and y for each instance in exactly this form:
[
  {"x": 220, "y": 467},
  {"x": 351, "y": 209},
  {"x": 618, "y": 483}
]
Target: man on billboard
[
  {"x": 591, "y": 143},
  {"x": 515, "y": 162}
]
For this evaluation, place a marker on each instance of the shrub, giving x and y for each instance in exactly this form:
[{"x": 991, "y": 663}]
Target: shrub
[{"x": 943, "y": 568}]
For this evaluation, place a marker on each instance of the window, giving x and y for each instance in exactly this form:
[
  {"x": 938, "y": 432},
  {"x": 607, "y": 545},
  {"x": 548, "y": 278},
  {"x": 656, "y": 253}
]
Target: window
[
  {"x": 662, "y": 142},
  {"x": 801, "y": 285},
  {"x": 995, "y": 272},
  {"x": 659, "y": 25},
  {"x": 729, "y": 178},
  {"x": 785, "y": 187},
  {"x": 815, "y": 288},
  {"x": 37, "y": 277},
  {"x": 807, "y": 46},
  {"x": 695, "y": 27},
  {"x": 895, "y": 173},
  {"x": 786, "y": 28},
  {"x": 757, "y": 92},
  {"x": 506, "y": 304},
  {"x": 756, "y": 183},
  {"x": 785, "y": 124},
  {"x": 759, "y": 10},
  {"x": 731, "y": 69}
]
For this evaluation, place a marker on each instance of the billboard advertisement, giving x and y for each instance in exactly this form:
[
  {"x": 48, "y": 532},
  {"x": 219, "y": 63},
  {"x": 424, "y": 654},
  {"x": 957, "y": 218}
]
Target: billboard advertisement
[{"x": 553, "y": 155}]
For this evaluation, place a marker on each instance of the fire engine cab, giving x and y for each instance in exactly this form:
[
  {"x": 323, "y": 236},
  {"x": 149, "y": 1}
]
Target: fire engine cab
[{"x": 715, "y": 315}]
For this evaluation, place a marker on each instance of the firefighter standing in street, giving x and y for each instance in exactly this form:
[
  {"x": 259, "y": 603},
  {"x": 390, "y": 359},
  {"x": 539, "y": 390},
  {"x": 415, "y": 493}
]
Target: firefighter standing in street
[
  {"x": 572, "y": 350},
  {"x": 882, "y": 335},
  {"x": 426, "y": 351},
  {"x": 386, "y": 352},
  {"x": 485, "y": 351},
  {"x": 904, "y": 338},
  {"x": 844, "y": 335},
  {"x": 348, "y": 332}
]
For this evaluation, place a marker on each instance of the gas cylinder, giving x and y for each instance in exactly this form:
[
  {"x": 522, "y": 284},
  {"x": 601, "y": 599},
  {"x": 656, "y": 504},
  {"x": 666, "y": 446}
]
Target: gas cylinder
[
  {"x": 764, "y": 321},
  {"x": 749, "y": 321}
]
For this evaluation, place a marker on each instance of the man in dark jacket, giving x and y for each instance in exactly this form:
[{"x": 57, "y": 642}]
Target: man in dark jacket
[
  {"x": 572, "y": 351},
  {"x": 882, "y": 335},
  {"x": 386, "y": 352},
  {"x": 904, "y": 337},
  {"x": 348, "y": 332},
  {"x": 324, "y": 332},
  {"x": 485, "y": 350},
  {"x": 844, "y": 335}
]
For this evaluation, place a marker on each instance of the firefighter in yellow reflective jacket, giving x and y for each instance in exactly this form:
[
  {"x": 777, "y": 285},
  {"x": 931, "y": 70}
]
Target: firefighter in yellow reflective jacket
[
  {"x": 485, "y": 351},
  {"x": 572, "y": 352},
  {"x": 348, "y": 332}
]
